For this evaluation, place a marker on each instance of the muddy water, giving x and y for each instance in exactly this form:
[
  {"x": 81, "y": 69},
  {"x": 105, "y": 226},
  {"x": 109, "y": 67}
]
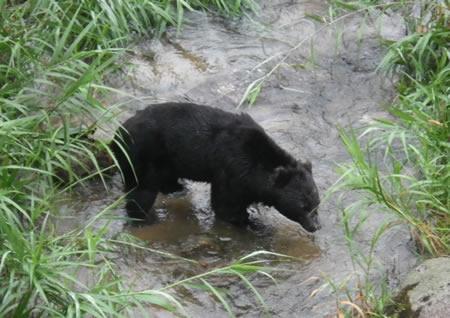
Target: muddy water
[
  {"x": 324, "y": 84},
  {"x": 182, "y": 231}
]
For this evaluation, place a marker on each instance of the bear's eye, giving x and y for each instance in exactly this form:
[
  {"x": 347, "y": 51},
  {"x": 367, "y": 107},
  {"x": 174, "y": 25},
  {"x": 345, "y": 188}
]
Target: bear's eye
[{"x": 313, "y": 213}]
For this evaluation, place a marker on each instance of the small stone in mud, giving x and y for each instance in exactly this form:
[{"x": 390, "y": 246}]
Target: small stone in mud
[
  {"x": 149, "y": 56},
  {"x": 203, "y": 263},
  {"x": 206, "y": 244}
]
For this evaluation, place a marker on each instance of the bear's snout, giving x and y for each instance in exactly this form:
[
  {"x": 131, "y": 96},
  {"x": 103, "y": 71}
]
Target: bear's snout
[{"x": 312, "y": 226}]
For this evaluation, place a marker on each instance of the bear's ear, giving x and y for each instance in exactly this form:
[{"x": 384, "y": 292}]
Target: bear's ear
[
  {"x": 308, "y": 165},
  {"x": 305, "y": 165},
  {"x": 282, "y": 176}
]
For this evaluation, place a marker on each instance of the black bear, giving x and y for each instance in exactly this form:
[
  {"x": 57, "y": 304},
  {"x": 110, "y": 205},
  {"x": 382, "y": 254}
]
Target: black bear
[{"x": 166, "y": 142}]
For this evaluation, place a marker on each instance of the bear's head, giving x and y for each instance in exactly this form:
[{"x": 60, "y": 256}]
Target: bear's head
[{"x": 295, "y": 195}]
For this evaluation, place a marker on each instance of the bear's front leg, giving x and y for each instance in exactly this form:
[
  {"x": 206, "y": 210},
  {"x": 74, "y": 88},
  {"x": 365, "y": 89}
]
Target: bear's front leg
[{"x": 228, "y": 207}]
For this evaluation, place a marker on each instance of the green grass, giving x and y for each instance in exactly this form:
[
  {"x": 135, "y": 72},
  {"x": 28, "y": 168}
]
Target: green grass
[
  {"x": 53, "y": 58},
  {"x": 411, "y": 177},
  {"x": 401, "y": 165}
]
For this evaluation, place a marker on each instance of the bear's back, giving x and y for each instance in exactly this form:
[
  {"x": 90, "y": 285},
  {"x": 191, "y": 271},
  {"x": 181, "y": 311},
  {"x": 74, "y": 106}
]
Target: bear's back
[
  {"x": 193, "y": 116},
  {"x": 194, "y": 139}
]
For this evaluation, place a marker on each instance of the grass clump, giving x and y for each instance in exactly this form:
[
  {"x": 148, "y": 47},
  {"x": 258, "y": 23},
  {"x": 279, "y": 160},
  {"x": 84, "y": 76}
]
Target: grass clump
[
  {"x": 53, "y": 57},
  {"x": 412, "y": 176},
  {"x": 401, "y": 164}
]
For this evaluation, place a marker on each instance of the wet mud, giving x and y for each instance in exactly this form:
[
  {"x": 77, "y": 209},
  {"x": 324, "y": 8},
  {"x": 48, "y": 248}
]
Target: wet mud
[{"x": 326, "y": 83}]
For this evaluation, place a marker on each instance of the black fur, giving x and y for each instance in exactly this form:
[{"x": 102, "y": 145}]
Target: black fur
[{"x": 169, "y": 141}]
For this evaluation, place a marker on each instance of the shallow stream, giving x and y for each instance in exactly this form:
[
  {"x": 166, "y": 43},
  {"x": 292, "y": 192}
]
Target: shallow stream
[{"x": 323, "y": 84}]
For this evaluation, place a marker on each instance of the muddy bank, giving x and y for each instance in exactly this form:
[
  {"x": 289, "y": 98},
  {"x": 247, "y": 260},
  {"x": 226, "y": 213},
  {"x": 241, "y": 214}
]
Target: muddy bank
[{"x": 322, "y": 85}]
